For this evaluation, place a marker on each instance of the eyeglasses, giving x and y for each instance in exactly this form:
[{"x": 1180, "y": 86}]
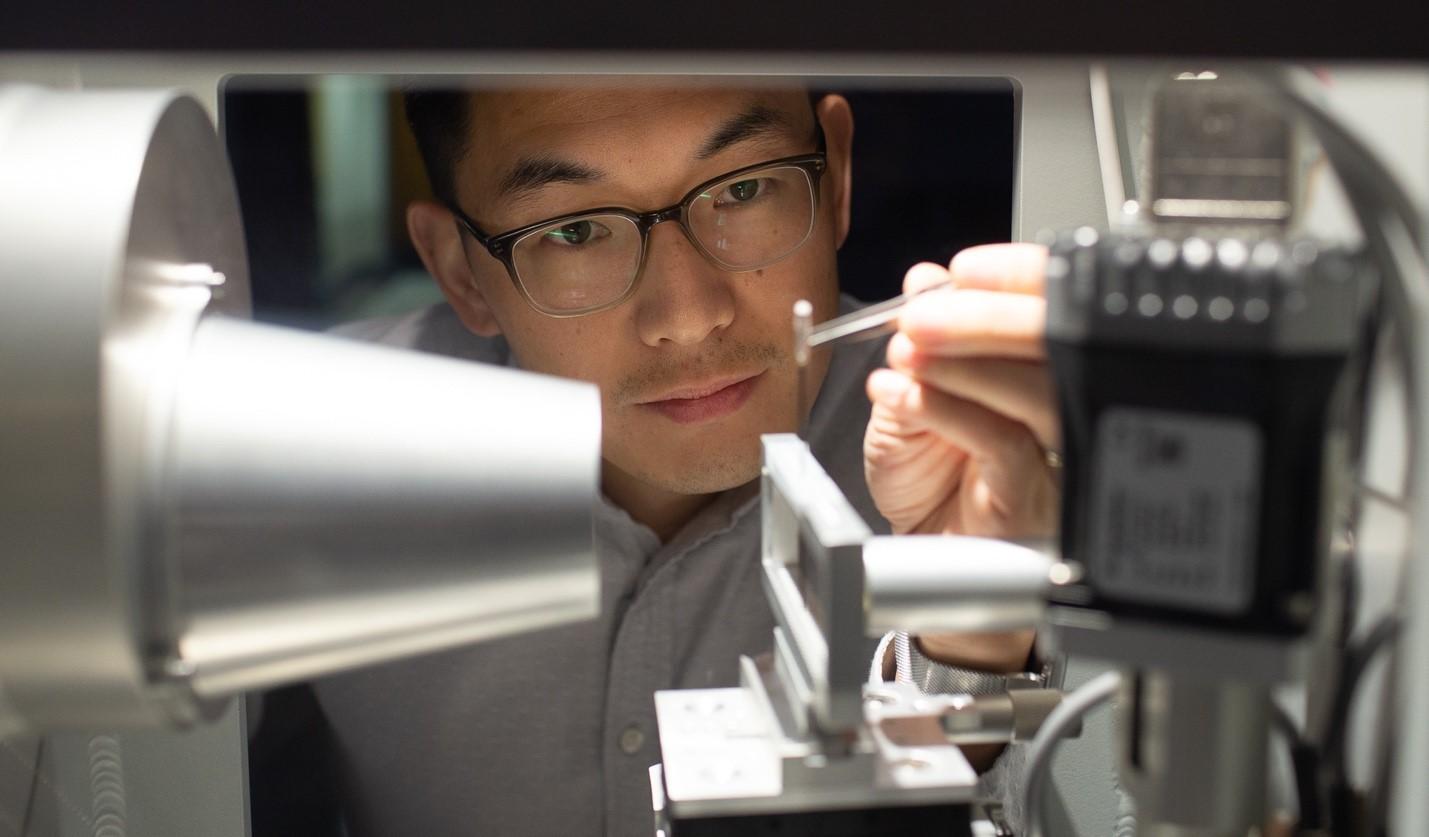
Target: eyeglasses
[{"x": 593, "y": 260}]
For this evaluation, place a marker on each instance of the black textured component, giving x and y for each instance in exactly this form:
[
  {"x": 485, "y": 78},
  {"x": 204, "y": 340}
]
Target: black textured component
[
  {"x": 915, "y": 821},
  {"x": 1274, "y": 376}
]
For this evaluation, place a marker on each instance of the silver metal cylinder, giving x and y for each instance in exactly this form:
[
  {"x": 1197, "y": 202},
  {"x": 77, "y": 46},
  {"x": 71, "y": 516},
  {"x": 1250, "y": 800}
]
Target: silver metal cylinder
[
  {"x": 950, "y": 583},
  {"x": 100, "y": 193},
  {"x": 1015, "y": 715},
  {"x": 1194, "y": 754},
  {"x": 335, "y": 503},
  {"x": 192, "y": 505}
]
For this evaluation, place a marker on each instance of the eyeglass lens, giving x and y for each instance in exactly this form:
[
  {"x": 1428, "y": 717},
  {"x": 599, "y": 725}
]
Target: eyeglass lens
[{"x": 743, "y": 223}]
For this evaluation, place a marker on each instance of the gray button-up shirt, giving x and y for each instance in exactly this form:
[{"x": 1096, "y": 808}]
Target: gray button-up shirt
[{"x": 552, "y": 733}]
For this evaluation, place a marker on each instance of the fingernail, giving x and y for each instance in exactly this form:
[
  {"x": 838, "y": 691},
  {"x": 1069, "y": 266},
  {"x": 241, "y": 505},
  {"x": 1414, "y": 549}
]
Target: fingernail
[{"x": 887, "y": 386}]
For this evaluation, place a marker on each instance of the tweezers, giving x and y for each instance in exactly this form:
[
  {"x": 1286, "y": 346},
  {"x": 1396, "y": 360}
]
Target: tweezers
[{"x": 866, "y": 323}]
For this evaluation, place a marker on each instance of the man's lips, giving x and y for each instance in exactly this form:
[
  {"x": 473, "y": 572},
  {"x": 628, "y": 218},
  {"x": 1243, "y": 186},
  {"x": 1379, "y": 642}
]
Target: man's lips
[{"x": 703, "y": 402}]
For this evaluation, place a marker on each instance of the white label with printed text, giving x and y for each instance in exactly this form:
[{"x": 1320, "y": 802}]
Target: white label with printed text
[{"x": 1174, "y": 509}]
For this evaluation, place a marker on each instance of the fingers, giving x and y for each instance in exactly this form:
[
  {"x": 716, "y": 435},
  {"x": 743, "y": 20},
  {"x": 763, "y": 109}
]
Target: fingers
[
  {"x": 910, "y": 471},
  {"x": 976, "y": 323},
  {"x": 1010, "y": 268},
  {"x": 1019, "y": 390},
  {"x": 994, "y": 307},
  {"x": 1004, "y": 448},
  {"x": 960, "y": 423}
]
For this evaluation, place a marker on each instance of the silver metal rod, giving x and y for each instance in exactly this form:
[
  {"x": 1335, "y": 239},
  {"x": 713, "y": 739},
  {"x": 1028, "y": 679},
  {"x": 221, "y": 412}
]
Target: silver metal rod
[
  {"x": 867, "y": 323},
  {"x": 949, "y": 583},
  {"x": 803, "y": 325},
  {"x": 1108, "y": 152},
  {"x": 1015, "y": 715}
]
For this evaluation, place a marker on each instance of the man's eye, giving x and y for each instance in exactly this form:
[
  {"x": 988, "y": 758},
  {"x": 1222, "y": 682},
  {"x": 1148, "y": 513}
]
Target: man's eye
[
  {"x": 576, "y": 232},
  {"x": 743, "y": 191}
]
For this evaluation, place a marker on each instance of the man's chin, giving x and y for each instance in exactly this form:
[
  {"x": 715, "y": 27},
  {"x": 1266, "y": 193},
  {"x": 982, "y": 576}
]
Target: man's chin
[{"x": 703, "y": 475}]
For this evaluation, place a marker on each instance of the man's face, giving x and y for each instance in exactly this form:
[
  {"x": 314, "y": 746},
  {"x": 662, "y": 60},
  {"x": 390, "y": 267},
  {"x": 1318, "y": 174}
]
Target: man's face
[{"x": 698, "y": 362}]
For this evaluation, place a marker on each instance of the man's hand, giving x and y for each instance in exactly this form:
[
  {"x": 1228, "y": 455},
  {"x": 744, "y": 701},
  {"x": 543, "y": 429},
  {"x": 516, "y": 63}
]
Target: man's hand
[
  {"x": 964, "y": 416},
  {"x": 963, "y": 419}
]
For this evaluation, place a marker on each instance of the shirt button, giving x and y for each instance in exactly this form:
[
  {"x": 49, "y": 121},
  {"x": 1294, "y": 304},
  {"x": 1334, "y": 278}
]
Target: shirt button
[{"x": 631, "y": 740}]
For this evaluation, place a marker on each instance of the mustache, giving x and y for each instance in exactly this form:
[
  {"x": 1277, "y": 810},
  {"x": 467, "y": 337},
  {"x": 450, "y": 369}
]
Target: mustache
[{"x": 656, "y": 378}]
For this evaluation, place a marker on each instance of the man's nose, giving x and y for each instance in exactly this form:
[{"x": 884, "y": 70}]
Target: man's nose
[{"x": 683, "y": 297}]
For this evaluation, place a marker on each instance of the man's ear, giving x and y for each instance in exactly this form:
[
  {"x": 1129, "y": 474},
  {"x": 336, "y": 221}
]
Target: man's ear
[
  {"x": 434, "y": 233},
  {"x": 836, "y": 118}
]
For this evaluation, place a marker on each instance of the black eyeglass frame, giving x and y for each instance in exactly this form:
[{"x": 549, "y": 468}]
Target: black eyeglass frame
[{"x": 502, "y": 245}]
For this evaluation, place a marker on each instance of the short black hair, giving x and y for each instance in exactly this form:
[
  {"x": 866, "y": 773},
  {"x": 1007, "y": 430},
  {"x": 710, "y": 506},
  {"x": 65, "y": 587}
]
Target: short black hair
[{"x": 439, "y": 119}]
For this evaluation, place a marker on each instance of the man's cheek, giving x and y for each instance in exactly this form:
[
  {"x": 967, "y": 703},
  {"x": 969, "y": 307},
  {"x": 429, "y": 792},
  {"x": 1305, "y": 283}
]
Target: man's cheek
[{"x": 571, "y": 361}]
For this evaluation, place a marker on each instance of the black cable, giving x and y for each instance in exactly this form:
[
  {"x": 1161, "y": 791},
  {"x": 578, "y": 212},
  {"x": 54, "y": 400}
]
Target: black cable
[
  {"x": 1345, "y": 806},
  {"x": 1350, "y": 584},
  {"x": 34, "y": 788},
  {"x": 1381, "y": 780},
  {"x": 1305, "y": 760},
  {"x": 1357, "y": 658}
]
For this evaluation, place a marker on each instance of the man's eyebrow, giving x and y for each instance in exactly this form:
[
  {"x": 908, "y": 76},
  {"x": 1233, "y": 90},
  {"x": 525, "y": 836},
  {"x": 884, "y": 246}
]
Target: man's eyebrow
[
  {"x": 756, "y": 121},
  {"x": 531, "y": 173}
]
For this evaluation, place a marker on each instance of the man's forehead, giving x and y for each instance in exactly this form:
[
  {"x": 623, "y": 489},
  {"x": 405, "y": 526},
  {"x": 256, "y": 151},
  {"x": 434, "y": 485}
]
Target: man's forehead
[{"x": 516, "y": 120}]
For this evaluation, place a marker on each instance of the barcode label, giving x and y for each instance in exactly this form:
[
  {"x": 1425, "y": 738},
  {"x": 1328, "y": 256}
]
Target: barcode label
[{"x": 1175, "y": 503}]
